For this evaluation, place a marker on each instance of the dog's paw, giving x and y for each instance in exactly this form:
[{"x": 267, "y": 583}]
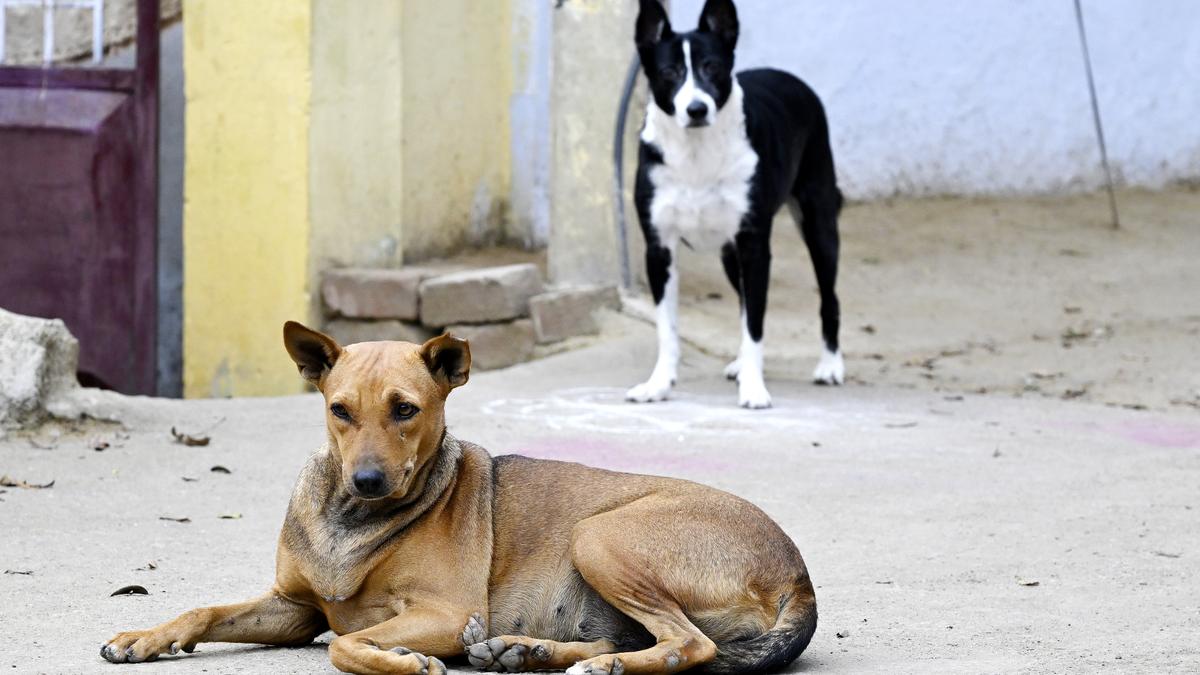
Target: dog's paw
[
  {"x": 752, "y": 394},
  {"x": 142, "y": 645},
  {"x": 475, "y": 631},
  {"x": 426, "y": 665},
  {"x": 831, "y": 369},
  {"x": 732, "y": 370},
  {"x": 509, "y": 653},
  {"x": 602, "y": 665},
  {"x": 485, "y": 653},
  {"x": 654, "y": 389}
]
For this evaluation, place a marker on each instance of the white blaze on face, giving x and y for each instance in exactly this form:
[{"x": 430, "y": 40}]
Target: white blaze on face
[{"x": 690, "y": 93}]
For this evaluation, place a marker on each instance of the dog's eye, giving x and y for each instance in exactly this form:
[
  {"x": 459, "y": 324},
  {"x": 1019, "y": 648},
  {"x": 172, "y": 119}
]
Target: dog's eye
[
  {"x": 404, "y": 411},
  {"x": 710, "y": 69},
  {"x": 339, "y": 411},
  {"x": 670, "y": 74}
]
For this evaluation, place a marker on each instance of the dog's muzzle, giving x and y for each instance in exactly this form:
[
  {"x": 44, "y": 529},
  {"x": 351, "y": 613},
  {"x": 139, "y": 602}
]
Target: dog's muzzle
[
  {"x": 370, "y": 484},
  {"x": 697, "y": 112}
]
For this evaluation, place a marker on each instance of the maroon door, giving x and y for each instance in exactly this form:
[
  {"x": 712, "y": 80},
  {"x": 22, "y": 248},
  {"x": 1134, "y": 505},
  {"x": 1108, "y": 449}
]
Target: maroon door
[{"x": 78, "y": 206}]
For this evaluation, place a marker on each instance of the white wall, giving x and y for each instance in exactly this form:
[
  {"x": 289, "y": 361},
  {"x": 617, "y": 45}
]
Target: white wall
[{"x": 988, "y": 96}]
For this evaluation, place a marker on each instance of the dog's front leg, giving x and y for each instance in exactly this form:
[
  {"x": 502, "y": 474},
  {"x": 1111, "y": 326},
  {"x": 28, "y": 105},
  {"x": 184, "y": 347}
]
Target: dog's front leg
[
  {"x": 271, "y": 619},
  {"x": 662, "y": 270},
  {"x": 754, "y": 261},
  {"x": 409, "y": 644}
]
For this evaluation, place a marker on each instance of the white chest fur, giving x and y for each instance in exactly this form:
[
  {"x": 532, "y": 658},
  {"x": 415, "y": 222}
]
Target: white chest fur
[{"x": 702, "y": 188}]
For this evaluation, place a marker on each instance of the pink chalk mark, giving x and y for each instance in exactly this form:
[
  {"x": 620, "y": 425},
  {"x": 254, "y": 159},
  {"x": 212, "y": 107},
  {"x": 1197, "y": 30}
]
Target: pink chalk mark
[{"x": 1158, "y": 434}]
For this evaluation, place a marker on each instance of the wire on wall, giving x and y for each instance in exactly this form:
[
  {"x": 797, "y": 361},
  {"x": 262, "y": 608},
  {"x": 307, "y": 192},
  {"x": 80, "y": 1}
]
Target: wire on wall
[{"x": 1091, "y": 82}]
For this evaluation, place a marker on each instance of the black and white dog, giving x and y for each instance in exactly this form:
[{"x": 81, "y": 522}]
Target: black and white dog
[{"x": 720, "y": 154}]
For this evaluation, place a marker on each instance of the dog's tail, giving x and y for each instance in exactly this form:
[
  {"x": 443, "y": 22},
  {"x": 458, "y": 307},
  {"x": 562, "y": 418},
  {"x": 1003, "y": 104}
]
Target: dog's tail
[{"x": 776, "y": 648}]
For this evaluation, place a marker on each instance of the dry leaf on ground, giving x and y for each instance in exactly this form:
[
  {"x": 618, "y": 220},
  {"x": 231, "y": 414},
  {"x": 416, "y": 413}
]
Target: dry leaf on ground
[
  {"x": 189, "y": 440},
  {"x": 7, "y": 481}
]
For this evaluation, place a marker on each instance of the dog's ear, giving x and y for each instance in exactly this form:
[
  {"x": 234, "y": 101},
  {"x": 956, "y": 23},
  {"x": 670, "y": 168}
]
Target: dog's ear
[
  {"x": 652, "y": 25},
  {"x": 314, "y": 352},
  {"x": 448, "y": 359},
  {"x": 720, "y": 18}
]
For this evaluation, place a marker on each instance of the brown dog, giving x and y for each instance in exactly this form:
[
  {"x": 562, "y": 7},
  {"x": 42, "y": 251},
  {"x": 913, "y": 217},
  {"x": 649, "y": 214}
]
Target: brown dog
[{"x": 414, "y": 546}]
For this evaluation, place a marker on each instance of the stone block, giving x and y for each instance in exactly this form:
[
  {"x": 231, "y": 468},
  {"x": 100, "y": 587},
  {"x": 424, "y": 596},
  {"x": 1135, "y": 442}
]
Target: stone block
[
  {"x": 497, "y": 345},
  {"x": 374, "y": 293},
  {"x": 569, "y": 312},
  {"x": 479, "y": 296},
  {"x": 38, "y": 359},
  {"x": 350, "y": 331}
]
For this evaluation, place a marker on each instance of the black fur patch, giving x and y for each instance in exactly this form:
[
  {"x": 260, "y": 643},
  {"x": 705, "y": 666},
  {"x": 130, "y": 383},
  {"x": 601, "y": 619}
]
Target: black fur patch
[{"x": 770, "y": 652}]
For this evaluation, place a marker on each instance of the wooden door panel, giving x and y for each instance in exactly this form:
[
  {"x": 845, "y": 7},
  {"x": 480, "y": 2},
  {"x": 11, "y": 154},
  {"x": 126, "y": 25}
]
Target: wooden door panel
[{"x": 78, "y": 207}]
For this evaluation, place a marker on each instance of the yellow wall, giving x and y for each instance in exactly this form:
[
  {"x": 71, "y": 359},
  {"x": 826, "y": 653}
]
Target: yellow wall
[
  {"x": 458, "y": 80},
  {"x": 246, "y": 227},
  {"x": 356, "y": 174},
  {"x": 329, "y": 133}
]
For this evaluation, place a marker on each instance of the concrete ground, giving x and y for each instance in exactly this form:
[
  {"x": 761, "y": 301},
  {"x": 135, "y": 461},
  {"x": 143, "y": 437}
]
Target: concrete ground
[
  {"x": 1027, "y": 297},
  {"x": 945, "y": 532}
]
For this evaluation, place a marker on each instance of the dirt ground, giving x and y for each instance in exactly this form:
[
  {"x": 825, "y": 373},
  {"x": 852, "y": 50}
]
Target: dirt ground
[{"x": 1024, "y": 297}]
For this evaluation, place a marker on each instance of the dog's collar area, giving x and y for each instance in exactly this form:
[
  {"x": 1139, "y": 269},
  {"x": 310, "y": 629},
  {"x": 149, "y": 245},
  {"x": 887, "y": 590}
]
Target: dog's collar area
[{"x": 343, "y": 532}]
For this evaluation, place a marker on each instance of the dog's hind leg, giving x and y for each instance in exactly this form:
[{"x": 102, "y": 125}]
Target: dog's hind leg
[
  {"x": 680, "y": 645},
  {"x": 820, "y": 202},
  {"x": 819, "y": 209},
  {"x": 714, "y": 581},
  {"x": 625, "y": 570}
]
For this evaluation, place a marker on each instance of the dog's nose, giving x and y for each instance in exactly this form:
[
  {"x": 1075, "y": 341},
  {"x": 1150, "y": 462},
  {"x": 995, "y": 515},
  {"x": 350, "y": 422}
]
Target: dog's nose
[
  {"x": 369, "y": 483},
  {"x": 697, "y": 110}
]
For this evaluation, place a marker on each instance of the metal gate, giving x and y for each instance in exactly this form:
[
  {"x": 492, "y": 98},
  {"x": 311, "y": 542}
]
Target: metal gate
[{"x": 78, "y": 197}]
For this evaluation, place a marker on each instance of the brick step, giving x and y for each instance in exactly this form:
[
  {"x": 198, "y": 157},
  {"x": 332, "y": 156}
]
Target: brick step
[{"x": 504, "y": 311}]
